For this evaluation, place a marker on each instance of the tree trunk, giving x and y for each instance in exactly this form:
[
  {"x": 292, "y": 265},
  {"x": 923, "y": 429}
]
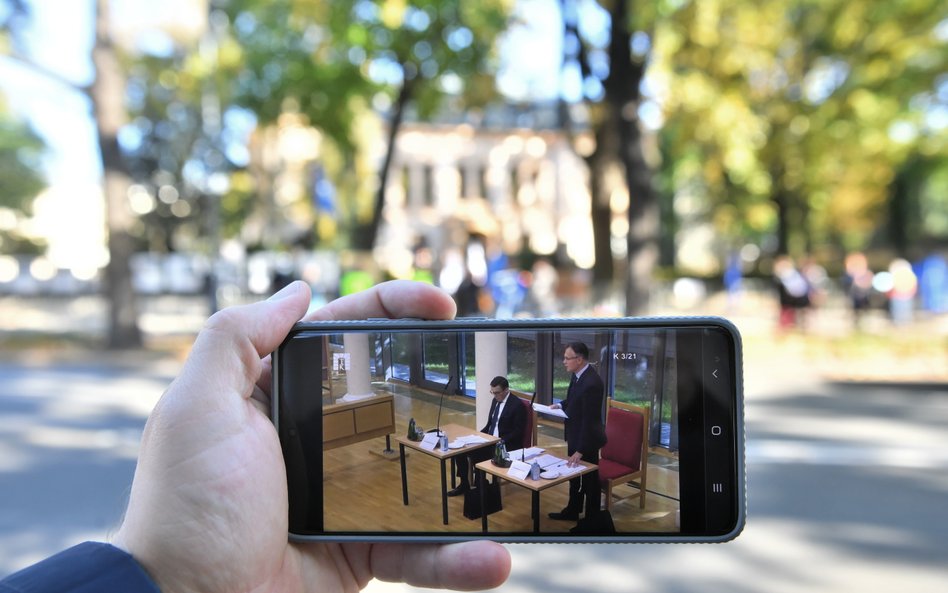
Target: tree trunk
[
  {"x": 601, "y": 213},
  {"x": 599, "y": 162},
  {"x": 644, "y": 225},
  {"x": 365, "y": 239},
  {"x": 622, "y": 93},
  {"x": 107, "y": 94}
]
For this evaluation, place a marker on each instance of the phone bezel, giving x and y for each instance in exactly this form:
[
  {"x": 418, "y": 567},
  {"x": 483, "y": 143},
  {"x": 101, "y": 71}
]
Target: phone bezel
[{"x": 473, "y": 325}]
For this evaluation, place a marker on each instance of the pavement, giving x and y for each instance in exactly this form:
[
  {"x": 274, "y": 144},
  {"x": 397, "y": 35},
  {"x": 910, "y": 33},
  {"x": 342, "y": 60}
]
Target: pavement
[{"x": 847, "y": 476}]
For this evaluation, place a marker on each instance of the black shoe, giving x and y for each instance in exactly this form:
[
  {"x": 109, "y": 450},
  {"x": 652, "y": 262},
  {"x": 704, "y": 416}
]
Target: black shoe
[
  {"x": 458, "y": 491},
  {"x": 565, "y": 515}
]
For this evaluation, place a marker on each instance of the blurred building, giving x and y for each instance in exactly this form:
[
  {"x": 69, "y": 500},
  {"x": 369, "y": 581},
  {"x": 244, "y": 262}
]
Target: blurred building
[{"x": 523, "y": 187}]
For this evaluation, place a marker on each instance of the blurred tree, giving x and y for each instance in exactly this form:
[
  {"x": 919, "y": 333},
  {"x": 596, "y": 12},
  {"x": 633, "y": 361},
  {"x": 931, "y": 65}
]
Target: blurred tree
[
  {"x": 106, "y": 94},
  {"x": 334, "y": 61},
  {"x": 783, "y": 122},
  {"x": 21, "y": 180},
  {"x": 612, "y": 66},
  {"x": 21, "y": 177},
  {"x": 794, "y": 116}
]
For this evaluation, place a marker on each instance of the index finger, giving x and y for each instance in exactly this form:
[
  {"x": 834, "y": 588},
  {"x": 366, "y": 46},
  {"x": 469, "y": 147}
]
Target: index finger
[{"x": 391, "y": 300}]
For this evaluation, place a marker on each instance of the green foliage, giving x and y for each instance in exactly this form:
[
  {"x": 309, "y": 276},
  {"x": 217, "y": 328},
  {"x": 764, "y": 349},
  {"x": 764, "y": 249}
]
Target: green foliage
[
  {"x": 334, "y": 62},
  {"x": 20, "y": 176},
  {"x": 794, "y": 116}
]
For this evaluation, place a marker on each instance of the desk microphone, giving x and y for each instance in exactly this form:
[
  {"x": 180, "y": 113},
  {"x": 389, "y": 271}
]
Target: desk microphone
[
  {"x": 437, "y": 429},
  {"x": 523, "y": 449}
]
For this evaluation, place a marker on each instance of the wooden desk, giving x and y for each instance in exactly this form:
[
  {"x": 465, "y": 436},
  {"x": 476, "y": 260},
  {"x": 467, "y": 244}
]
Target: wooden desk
[
  {"x": 535, "y": 486},
  {"x": 453, "y": 431},
  {"x": 350, "y": 422}
]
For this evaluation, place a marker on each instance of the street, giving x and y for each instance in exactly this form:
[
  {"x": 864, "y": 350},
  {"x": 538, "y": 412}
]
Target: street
[{"x": 847, "y": 481}]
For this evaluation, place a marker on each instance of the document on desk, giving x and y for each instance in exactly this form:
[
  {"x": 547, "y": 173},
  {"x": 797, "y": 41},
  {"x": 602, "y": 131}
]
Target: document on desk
[
  {"x": 528, "y": 453},
  {"x": 561, "y": 466},
  {"x": 471, "y": 439},
  {"x": 519, "y": 470},
  {"x": 566, "y": 470},
  {"x": 429, "y": 442},
  {"x": 558, "y": 412},
  {"x": 547, "y": 461}
]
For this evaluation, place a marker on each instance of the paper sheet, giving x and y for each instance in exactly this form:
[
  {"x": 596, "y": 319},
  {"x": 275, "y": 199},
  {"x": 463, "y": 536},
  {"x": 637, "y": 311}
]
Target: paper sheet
[
  {"x": 519, "y": 470},
  {"x": 430, "y": 441},
  {"x": 471, "y": 439},
  {"x": 547, "y": 461},
  {"x": 529, "y": 453},
  {"x": 559, "y": 413}
]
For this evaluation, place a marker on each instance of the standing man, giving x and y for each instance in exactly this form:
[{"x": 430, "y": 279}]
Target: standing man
[
  {"x": 506, "y": 420},
  {"x": 583, "y": 430}
]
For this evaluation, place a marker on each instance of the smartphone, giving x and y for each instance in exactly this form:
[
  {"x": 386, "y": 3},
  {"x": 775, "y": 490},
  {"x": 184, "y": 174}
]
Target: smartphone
[{"x": 389, "y": 433}]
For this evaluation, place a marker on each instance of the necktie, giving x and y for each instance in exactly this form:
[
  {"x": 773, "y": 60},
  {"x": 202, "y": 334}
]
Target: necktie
[
  {"x": 492, "y": 417},
  {"x": 572, "y": 381}
]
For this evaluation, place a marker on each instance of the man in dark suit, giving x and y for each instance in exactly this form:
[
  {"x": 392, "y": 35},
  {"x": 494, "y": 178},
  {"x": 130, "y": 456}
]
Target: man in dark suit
[
  {"x": 507, "y": 420},
  {"x": 583, "y": 429}
]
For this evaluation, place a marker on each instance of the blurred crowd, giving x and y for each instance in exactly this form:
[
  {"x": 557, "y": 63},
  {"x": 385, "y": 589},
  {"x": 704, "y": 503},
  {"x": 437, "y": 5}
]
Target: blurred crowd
[{"x": 902, "y": 288}]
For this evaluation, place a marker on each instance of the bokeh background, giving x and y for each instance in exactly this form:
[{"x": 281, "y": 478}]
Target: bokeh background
[{"x": 783, "y": 163}]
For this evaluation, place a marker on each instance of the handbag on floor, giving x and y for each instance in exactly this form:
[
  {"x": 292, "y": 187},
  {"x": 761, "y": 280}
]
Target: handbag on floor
[
  {"x": 492, "y": 502},
  {"x": 595, "y": 523}
]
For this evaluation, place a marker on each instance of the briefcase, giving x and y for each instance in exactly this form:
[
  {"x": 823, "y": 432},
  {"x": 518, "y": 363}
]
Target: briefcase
[
  {"x": 492, "y": 503},
  {"x": 595, "y": 523}
]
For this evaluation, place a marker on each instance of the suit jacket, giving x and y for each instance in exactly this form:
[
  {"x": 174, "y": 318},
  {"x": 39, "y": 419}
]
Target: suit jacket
[
  {"x": 511, "y": 423},
  {"x": 84, "y": 568},
  {"x": 583, "y": 428}
]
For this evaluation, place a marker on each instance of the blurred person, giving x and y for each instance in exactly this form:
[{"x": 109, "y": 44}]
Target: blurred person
[
  {"x": 858, "y": 284},
  {"x": 508, "y": 291},
  {"x": 933, "y": 283},
  {"x": 793, "y": 291},
  {"x": 542, "y": 293},
  {"x": 468, "y": 297},
  {"x": 583, "y": 430},
  {"x": 816, "y": 279},
  {"x": 733, "y": 281},
  {"x": 506, "y": 420},
  {"x": 208, "y": 508},
  {"x": 902, "y": 294},
  {"x": 424, "y": 261}
]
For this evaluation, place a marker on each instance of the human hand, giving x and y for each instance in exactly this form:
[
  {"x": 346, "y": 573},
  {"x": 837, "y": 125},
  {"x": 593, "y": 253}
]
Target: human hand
[
  {"x": 574, "y": 459},
  {"x": 208, "y": 505},
  {"x": 555, "y": 407}
]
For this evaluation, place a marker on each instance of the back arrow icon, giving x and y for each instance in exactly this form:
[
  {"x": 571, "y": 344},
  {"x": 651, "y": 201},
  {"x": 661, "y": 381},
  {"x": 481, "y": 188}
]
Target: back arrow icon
[{"x": 714, "y": 373}]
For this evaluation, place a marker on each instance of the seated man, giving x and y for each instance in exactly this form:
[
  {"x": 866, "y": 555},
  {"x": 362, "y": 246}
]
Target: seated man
[{"x": 507, "y": 420}]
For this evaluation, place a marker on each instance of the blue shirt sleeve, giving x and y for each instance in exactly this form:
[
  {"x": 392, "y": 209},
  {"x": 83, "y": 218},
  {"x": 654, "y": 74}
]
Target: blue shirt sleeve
[{"x": 90, "y": 567}]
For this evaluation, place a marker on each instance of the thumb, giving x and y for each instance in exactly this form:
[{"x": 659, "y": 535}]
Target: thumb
[{"x": 228, "y": 351}]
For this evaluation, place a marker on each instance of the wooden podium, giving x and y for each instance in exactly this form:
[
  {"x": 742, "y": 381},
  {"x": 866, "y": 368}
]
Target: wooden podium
[{"x": 351, "y": 422}]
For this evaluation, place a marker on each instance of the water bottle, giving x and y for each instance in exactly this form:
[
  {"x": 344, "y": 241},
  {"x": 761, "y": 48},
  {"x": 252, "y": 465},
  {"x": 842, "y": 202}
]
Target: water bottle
[
  {"x": 500, "y": 453},
  {"x": 444, "y": 441},
  {"x": 534, "y": 471}
]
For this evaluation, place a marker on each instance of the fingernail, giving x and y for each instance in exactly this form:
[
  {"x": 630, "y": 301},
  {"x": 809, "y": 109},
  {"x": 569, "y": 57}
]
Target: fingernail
[{"x": 287, "y": 291}]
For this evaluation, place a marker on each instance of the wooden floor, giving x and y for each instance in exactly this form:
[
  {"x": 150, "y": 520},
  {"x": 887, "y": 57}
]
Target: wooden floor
[{"x": 362, "y": 485}]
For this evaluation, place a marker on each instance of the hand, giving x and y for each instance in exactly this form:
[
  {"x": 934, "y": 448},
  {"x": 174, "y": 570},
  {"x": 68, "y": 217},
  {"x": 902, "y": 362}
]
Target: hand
[
  {"x": 574, "y": 459},
  {"x": 555, "y": 407},
  {"x": 208, "y": 505}
]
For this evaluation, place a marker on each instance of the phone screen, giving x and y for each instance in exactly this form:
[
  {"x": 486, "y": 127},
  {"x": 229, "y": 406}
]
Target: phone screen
[{"x": 455, "y": 430}]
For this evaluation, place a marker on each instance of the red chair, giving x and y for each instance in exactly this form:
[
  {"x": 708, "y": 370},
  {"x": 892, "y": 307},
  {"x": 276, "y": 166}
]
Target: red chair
[
  {"x": 624, "y": 458},
  {"x": 530, "y": 430}
]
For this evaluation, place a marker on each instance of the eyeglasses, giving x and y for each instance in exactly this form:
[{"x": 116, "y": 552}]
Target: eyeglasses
[
  {"x": 570, "y": 357},
  {"x": 492, "y": 392}
]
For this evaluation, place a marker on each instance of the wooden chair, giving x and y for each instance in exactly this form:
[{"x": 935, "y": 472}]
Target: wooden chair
[
  {"x": 624, "y": 458},
  {"x": 530, "y": 430}
]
